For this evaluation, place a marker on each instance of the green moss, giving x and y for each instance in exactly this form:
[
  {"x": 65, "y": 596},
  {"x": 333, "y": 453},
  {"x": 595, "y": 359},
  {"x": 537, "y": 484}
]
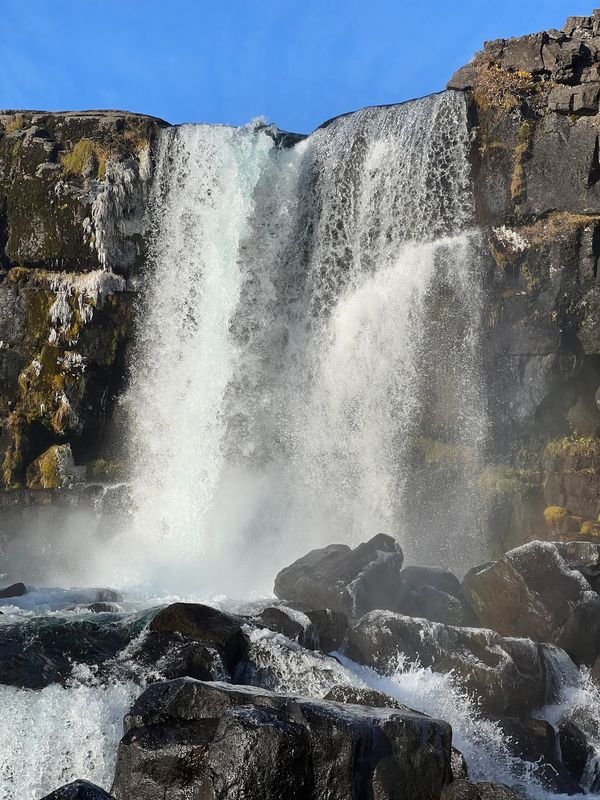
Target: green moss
[
  {"x": 104, "y": 470},
  {"x": 86, "y": 156},
  {"x": 15, "y": 123},
  {"x": 573, "y": 447}
]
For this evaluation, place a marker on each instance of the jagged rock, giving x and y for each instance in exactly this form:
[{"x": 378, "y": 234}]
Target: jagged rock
[
  {"x": 14, "y": 590},
  {"x": 223, "y": 741},
  {"x": 79, "y": 790},
  {"x": 206, "y": 625},
  {"x": 509, "y": 675},
  {"x": 345, "y": 580},
  {"x": 532, "y": 592},
  {"x": 463, "y": 790}
]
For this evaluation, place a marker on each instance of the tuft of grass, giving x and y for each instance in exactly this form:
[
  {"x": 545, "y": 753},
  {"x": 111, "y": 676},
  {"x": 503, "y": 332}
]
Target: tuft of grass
[{"x": 86, "y": 157}]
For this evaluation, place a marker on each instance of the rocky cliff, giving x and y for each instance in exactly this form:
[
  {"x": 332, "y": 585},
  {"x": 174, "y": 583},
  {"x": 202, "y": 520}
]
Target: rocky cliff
[
  {"x": 534, "y": 113},
  {"x": 73, "y": 191}
]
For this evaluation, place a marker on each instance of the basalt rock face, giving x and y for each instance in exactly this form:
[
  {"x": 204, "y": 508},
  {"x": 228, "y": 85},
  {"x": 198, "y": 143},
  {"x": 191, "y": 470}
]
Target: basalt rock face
[
  {"x": 533, "y": 106},
  {"x": 213, "y": 740},
  {"x": 73, "y": 193}
]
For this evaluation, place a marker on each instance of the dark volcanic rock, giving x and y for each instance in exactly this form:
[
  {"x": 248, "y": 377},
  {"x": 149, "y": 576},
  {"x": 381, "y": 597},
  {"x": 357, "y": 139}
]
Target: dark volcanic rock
[
  {"x": 220, "y": 741},
  {"x": 206, "y": 625},
  {"x": 531, "y": 591},
  {"x": 346, "y": 580},
  {"x": 575, "y": 749},
  {"x": 79, "y": 790},
  {"x": 437, "y": 606},
  {"x": 413, "y": 577},
  {"x": 37, "y": 652},
  {"x": 509, "y": 675},
  {"x": 463, "y": 790},
  {"x": 291, "y": 623},
  {"x": 331, "y": 627},
  {"x": 15, "y": 590},
  {"x": 536, "y": 741}
]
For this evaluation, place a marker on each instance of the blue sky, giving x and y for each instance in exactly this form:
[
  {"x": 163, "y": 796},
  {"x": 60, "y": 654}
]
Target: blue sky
[{"x": 297, "y": 63}]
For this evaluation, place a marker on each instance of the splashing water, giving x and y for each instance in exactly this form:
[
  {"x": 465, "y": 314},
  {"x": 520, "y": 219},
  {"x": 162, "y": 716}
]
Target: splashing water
[{"x": 283, "y": 372}]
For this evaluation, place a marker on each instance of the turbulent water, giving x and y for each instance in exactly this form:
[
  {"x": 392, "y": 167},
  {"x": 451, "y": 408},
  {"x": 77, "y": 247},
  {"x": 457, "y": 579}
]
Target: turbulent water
[{"x": 310, "y": 321}]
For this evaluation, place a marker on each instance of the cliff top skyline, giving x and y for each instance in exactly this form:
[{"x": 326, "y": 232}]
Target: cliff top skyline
[{"x": 203, "y": 62}]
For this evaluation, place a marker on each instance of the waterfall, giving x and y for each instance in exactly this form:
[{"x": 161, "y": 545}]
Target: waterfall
[{"x": 285, "y": 368}]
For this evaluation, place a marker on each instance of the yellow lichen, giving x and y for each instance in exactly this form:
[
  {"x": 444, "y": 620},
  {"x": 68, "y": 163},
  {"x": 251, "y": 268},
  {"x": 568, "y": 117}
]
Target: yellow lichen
[
  {"x": 497, "y": 88},
  {"x": 86, "y": 156}
]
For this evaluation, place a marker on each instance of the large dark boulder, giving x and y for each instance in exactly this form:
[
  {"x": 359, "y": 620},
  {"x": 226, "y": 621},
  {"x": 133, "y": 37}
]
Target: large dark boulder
[
  {"x": 205, "y": 625},
  {"x": 509, "y": 675},
  {"x": 345, "y": 580},
  {"x": 79, "y": 790},
  {"x": 413, "y": 577},
  {"x": 14, "y": 590},
  {"x": 37, "y": 652},
  {"x": 533, "y": 592},
  {"x": 216, "y": 741}
]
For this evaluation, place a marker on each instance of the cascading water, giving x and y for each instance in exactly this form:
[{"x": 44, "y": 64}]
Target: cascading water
[{"x": 281, "y": 373}]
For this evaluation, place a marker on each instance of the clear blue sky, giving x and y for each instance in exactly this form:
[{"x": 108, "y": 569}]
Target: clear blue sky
[{"x": 297, "y": 63}]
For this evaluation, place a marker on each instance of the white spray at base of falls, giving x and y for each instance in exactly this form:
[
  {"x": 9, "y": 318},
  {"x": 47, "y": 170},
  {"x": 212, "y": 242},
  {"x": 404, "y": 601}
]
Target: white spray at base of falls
[{"x": 280, "y": 378}]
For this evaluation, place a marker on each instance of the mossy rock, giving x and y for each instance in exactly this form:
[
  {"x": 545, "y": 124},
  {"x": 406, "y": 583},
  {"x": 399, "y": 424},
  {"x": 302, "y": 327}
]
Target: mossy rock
[{"x": 54, "y": 469}]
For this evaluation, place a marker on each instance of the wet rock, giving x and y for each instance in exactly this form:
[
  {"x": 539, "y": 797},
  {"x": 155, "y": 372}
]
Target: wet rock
[
  {"x": 437, "y": 606},
  {"x": 37, "y": 652},
  {"x": 345, "y": 580},
  {"x": 206, "y": 625},
  {"x": 165, "y": 656},
  {"x": 291, "y": 623},
  {"x": 104, "y": 608},
  {"x": 509, "y": 675},
  {"x": 413, "y": 577},
  {"x": 221, "y": 741},
  {"x": 463, "y": 790},
  {"x": 363, "y": 697},
  {"x": 79, "y": 790},
  {"x": 531, "y": 591},
  {"x": 14, "y": 590},
  {"x": 575, "y": 749},
  {"x": 54, "y": 469},
  {"x": 536, "y": 741},
  {"x": 331, "y": 627}
]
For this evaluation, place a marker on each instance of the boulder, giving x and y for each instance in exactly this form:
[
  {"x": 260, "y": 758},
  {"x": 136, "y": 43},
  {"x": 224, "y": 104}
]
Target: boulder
[
  {"x": 463, "y": 790},
  {"x": 79, "y": 790},
  {"x": 206, "y": 625},
  {"x": 54, "y": 469},
  {"x": 213, "y": 740},
  {"x": 331, "y": 627},
  {"x": 14, "y": 590},
  {"x": 509, "y": 675},
  {"x": 437, "y": 606},
  {"x": 533, "y": 592},
  {"x": 575, "y": 749},
  {"x": 439, "y": 578},
  {"x": 291, "y": 623},
  {"x": 536, "y": 741},
  {"x": 345, "y": 580}
]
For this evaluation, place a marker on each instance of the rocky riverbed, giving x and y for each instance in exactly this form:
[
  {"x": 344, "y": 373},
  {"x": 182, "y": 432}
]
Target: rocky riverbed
[{"x": 308, "y": 695}]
